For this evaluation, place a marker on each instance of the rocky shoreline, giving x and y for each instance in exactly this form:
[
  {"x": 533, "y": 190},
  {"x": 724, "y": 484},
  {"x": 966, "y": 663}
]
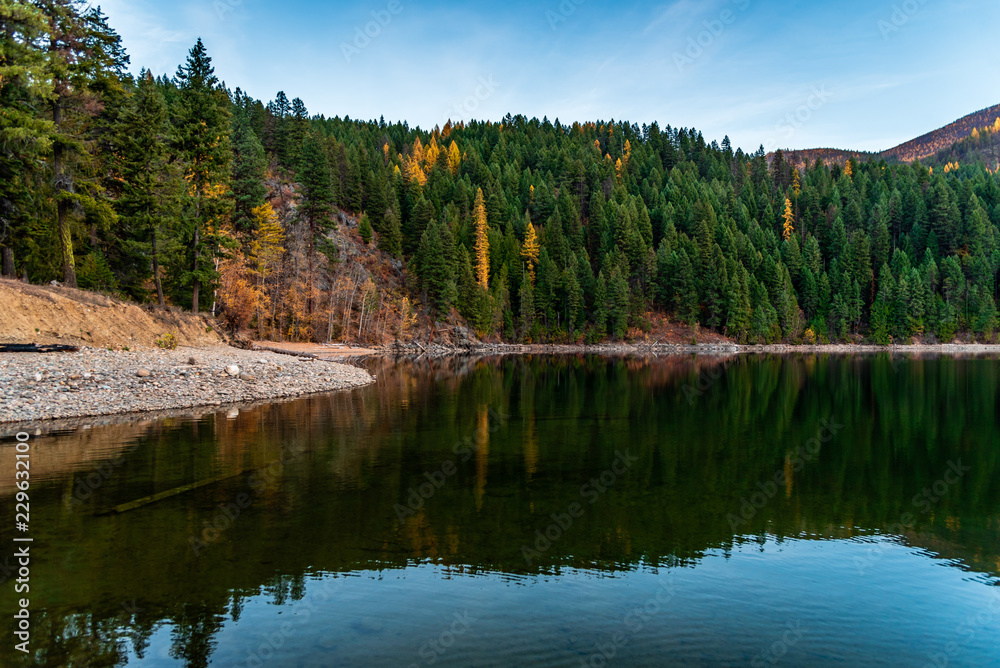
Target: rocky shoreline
[{"x": 96, "y": 381}]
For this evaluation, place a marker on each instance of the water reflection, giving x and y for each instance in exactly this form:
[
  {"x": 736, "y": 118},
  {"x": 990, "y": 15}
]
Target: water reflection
[{"x": 507, "y": 472}]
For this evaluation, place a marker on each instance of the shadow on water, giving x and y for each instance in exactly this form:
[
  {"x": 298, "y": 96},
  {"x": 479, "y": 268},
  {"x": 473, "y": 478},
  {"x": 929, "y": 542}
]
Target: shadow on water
[{"x": 505, "y": 468}]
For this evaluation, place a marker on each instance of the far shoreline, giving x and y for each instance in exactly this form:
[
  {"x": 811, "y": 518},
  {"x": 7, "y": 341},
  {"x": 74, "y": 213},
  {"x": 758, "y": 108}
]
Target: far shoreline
[
  {"x": 300, "y": 368},
  {"x": 440, "y": 350}
]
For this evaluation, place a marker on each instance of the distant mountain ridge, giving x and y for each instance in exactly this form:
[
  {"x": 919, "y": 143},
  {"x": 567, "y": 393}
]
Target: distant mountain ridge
[{"x": 921, "y": 148}]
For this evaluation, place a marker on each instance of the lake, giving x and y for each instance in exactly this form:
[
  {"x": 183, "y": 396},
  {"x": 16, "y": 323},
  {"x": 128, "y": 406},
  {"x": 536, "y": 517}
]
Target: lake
[{"x": 535, "y": 511}]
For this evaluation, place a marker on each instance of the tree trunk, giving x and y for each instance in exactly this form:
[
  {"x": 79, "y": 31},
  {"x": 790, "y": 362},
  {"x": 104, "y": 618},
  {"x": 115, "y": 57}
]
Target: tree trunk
[
  {"x": 156, "y": 272},
  {"x": 62, "y": 206},
  {"x": 8, "y": 262},
  {"x": 197, "y": 240},
  {"x": 310, "y": 249}
]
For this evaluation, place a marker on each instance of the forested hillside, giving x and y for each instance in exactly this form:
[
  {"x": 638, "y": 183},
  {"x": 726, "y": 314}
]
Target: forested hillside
[
  {"x": 928, "y": 144},
  {"x": 928, "y": 147},
  {"x": 181, "y": 191}
]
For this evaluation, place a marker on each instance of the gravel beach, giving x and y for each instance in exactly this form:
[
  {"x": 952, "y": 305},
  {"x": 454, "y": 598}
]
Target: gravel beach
[{"x": 96, "y": 381}]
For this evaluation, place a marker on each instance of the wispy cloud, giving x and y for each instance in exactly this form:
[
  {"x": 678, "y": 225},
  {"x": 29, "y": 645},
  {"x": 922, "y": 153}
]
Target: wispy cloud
[{"x": 679, "y": 14}]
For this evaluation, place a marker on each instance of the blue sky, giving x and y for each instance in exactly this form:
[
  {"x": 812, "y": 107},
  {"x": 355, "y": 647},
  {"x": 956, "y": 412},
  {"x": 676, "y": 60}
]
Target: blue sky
[{"x": 852, "y": 74}]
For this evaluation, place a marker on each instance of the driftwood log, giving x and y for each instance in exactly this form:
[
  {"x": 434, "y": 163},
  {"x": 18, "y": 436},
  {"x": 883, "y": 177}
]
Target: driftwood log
[{"x": 33, "y": 348}]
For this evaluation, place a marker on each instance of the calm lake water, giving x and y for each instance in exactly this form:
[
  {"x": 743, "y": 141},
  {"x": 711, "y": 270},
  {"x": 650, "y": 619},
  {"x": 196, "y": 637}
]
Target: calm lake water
[{"x": 545, "y": 511}]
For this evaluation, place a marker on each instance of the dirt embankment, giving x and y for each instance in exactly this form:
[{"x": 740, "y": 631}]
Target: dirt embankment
[{"x": 55, "y": 314}]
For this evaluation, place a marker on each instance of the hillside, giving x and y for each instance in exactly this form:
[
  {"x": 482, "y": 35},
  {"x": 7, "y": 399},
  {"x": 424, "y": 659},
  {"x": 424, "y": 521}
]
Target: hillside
[
  {"x": 55, "y": 314},
  {"x": 928, "y": 144},
  {"x": 925, "y": 146}
]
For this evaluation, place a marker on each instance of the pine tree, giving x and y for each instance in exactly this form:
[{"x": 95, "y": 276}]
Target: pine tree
[
  {"x": 202, "y": 131},
  {"x": 249, "y": 172},
  {"x": 149, "y": 189},
  {"x": 391, "y": 241},
  {"x": 601, "y": 306},
  {"x": 84, "y": 56},
  {"x": 298, "y": 129},
  {"x": 527, "y": 308},
  {"x": 882, "y": 308},
  {"x": 686, "y": 293},
  {"x": 365, "y": 229},
  {"x": 574, "y": 298},
  {"x": 24, "y": 136},
  {"x": 619, "y": 312},
  {"x": 435, "y": 270}
]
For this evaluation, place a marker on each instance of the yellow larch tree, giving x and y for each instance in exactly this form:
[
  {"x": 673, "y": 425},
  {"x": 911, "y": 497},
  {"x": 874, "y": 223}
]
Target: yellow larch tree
[
  {"x": 417, "y": 154},
  {"x": 268, "y": 241},
  {"x": 789, "y": 216},
  {"x": 431, "y": 155},
  {"x": 482, "y": 242},
  {"x": 849, "y": 170},
  {"x": 796, "y": 184},
  {"x": 266, "y": 250},
  {"x": 414, "y": 172},
  {"x": 413, "y": 169},
  {"x": 454, "y": 158},
  {"x": 530, "y": 249},
  {"x": 622, "y": 165}
]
